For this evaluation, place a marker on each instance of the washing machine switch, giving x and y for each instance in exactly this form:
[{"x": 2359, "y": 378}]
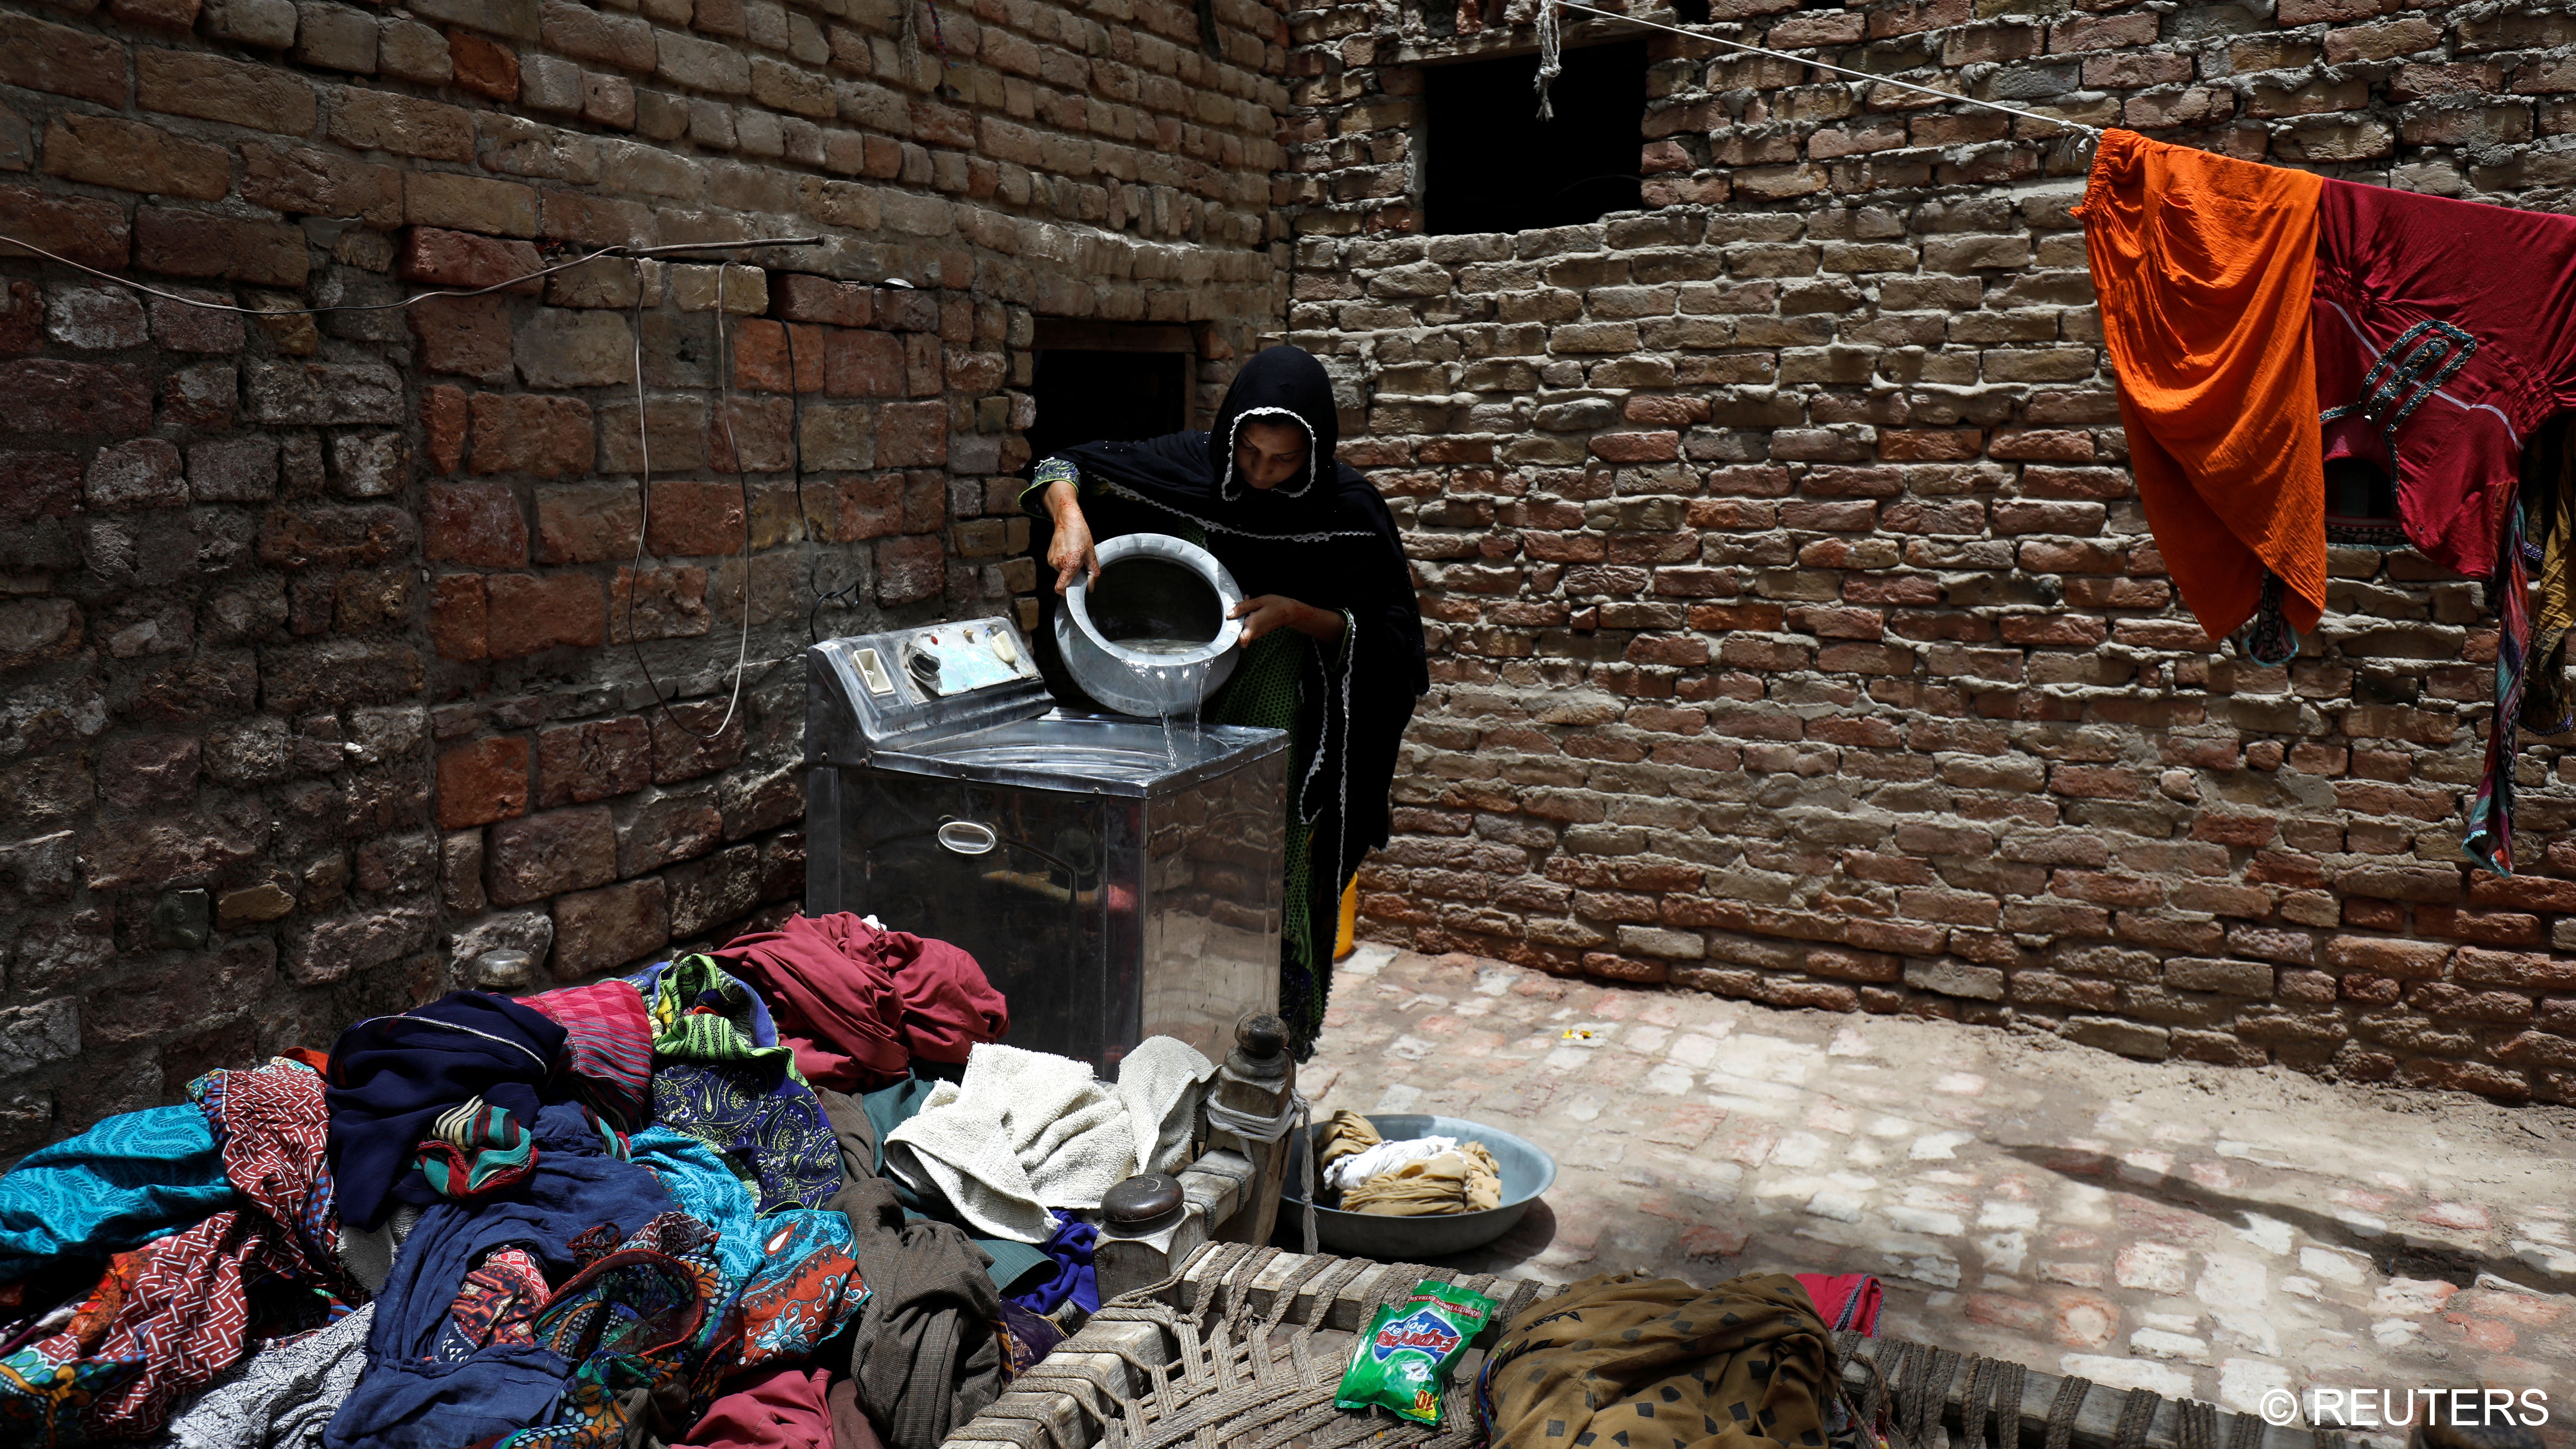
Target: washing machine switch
[{"x": 872, "y": 673}]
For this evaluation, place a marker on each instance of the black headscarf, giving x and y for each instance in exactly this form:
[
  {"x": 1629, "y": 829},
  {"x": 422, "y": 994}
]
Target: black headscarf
[{"x": 1323, "y": 537}]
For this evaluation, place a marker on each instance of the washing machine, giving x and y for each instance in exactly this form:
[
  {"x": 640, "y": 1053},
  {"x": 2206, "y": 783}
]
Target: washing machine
[{"x": 1117, "y": 878}]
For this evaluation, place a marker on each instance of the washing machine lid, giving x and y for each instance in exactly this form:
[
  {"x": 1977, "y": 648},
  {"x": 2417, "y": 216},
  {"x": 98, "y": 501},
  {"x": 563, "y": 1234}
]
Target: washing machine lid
[
  {"x": 1098, "y": 754},
  {"x": 869, "y": 691}
]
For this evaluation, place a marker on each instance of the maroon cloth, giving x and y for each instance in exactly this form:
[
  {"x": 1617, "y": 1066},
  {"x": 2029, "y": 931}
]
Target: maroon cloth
[
  {"x": 851, "y": 1427},
  {"x": 2445, "y": 333},
  {"x": 768, "y": 1409},
  {"x": 858, "y": 1004},
  {"x": 1845, "y": 1300}
]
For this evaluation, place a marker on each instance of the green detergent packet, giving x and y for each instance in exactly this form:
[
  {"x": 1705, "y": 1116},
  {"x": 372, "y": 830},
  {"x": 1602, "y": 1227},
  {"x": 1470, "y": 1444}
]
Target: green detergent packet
[{"x": 1402, "y": 1363}]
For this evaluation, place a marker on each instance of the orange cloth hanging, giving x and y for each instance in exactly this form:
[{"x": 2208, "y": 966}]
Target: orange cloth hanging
[{"x": 2205, "y": 266}]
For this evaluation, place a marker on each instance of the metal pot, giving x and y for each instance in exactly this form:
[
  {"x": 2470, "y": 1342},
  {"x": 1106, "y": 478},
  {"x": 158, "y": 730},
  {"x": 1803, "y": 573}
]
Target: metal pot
[{"x": 1136, "y": 640}]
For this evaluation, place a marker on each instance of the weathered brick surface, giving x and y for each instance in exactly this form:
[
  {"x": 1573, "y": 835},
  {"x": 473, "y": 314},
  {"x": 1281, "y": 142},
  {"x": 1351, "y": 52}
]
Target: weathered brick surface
[
  {"x": 1796, "y": 634},
  {"x": 339, "y": 618}
]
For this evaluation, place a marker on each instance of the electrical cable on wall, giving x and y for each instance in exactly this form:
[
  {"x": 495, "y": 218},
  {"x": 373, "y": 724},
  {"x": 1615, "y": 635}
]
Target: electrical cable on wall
[
  {"x": 644, "y": 446},
  {"x": 1551, "y": 42}
]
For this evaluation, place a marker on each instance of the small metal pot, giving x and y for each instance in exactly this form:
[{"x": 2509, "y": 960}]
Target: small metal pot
[{"x": 1165, "y": 594}]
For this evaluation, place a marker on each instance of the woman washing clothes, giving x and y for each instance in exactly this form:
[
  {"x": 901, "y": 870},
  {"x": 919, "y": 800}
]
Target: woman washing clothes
[{"x": 1332, "y": 635}]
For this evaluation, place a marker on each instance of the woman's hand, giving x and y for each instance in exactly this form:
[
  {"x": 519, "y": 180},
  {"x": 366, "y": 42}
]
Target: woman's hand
[
  {"x": 1265, "y": 612},
  {"x": 1071, "y": 553}
]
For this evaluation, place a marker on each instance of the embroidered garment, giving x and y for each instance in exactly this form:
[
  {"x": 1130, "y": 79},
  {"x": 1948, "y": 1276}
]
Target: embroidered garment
[
  {"x": 610, "y": 1040},
  {"x": 128, "y": 1180},
  {"x": 652, "y": 1316},
  {"x": 858, "y": 1004},
  {"x": 2445, "y": 336},
  {"x": 805, "y": 1291},
  {"x": 2206, "y": 268},
  {"x": 721, "y": 1076},
  {"x": 183, "y": 1310},
  {"x": 393, "y": 1076},
  {"x": 475, "y": 1150}
]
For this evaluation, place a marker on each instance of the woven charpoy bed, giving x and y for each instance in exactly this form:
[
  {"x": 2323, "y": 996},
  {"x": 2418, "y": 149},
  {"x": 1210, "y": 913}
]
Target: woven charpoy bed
[{"x": 1242, "y": 1348}]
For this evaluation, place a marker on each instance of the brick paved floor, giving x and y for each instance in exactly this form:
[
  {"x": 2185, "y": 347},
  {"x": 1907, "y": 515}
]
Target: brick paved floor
[{"x": 2190, "y": 1229}]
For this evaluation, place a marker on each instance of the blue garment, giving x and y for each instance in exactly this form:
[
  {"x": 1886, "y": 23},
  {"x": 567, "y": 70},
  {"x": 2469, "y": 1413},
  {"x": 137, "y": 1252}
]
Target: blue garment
[
  {"x": 403, "y": 1401},
  {"x": 132, "y": 1178},
  {"x": 1069, "y": 1248},
  {"x": 706, "y": 1189},
  {"x": 391, "y": 1077},
  {"x": 769, "y": 1127}
]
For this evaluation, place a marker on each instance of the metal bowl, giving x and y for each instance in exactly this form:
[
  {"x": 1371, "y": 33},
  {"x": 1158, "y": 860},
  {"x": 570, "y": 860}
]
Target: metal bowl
[
  {"x": 1153, "y": 628},
  {"x": 1527, "y": 1172}
]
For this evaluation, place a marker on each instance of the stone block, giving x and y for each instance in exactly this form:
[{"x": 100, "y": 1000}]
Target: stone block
[
  {"x": 544, "y": 437},
  {"x": 602, "y": 930},
  {"x": 57, "y": 59},
  {"x": 132, "y": 156},
  {"x": 233, "y": 470},
  {"x": 333, "y": 950},
  {"x": 580, "y": 763},
  {"x": 668, "y": 829},
  {"x": 144, "y": 473},
  {"x": 526, "y": 614},
  {"x": 318, "y": 183},
  {"x": 194, "y": 244},
  {"x": 536, "y": 856},
  {"x": 483, "y": 781},
  {"x": 564, "y": 348},
  {"x": 469, "y": 203}
]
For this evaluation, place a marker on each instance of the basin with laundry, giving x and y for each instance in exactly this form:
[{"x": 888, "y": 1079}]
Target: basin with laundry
[{"x": 1525, "y": 1171}]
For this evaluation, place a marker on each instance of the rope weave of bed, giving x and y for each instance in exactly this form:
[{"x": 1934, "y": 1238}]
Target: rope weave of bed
[{"x": 1237, "y": 1383}]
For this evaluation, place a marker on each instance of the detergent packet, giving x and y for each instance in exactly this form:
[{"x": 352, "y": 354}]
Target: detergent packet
[{"x": 1403, "y": 1361}]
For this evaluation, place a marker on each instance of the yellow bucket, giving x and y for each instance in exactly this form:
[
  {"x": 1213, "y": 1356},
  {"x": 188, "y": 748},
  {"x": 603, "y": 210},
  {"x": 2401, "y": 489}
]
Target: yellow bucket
[{"x": 1346, "y": 938}]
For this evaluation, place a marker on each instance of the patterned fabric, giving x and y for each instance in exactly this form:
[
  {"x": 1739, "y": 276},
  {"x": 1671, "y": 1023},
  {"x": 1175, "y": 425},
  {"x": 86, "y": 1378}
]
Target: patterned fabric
[
  {"x": 475, "y": 1150},
  {"x": 1026, "y": 1339},
  {"x": 499, "y": 1304},
  {"x": 702, "y": 1013},
  {"x": 2550, "y": 499},
  {"x": 2489, "y": 841},
  {"x": 280, "y": 1397},
  {"x": 128, "y": 1180},
  {"x": 188, "y": 1312},
  {"x": 651, "y": 1316},
  {"x": 610, "y": 1039},
  {"x": 721, "y": 1076},
  {"x": 806, "y": 1290}
]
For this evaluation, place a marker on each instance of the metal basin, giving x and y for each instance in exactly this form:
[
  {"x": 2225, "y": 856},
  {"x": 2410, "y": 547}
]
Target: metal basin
[
  {"x": 1527, "y": 1173},
  {"x": 1152, "y": 636}
]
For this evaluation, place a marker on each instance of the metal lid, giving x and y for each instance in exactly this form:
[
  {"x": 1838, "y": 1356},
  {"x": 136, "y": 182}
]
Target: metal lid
[{"x": 1142, "y": 1202}]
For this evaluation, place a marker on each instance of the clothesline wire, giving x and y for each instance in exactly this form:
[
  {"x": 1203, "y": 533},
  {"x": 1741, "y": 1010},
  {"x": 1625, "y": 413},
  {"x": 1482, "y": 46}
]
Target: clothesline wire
[{"x": 1547, "y": 70}]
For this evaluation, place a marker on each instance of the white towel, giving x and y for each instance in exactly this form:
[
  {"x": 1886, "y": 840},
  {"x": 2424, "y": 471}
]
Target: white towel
[
  {"x": 1026, "y": 1131},
  {"x": 1385, "y": 1157}
]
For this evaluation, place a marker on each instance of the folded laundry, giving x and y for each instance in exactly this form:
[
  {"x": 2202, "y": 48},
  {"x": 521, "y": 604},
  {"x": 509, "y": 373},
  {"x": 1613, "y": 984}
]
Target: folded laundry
[
  {"x": 858, "y": 1003},
  {"x": 392, "y": 1077},
  {"x": 1744, "y": 1365},
  {"x": 132, "y": 1178},
  {"x": 280, "y": 1397},
  {"x": 1023, "y": 1132},
  {"x": 172, "y": 1315},
  {"x": 409, "y": 1397}
]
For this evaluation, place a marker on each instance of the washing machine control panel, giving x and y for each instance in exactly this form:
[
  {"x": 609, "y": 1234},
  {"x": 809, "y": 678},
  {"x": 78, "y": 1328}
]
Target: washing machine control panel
[
  {"x": 941, "y": 660},
  {"x": 930, "y": 677}
]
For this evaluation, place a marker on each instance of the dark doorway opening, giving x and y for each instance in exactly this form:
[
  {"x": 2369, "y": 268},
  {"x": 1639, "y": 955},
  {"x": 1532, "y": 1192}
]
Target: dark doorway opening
[
  {"x": 1103, "y": 382},
  {"x": 1096, "y": 382},
  {"x": 1493, "y": 165}
]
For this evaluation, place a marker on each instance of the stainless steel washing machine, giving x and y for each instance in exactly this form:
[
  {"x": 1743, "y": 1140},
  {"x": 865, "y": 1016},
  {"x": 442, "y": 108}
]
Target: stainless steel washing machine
[{"x": 1114, "y": 880}]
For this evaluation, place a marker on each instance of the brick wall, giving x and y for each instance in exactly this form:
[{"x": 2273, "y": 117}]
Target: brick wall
[
  {"x": 1797, "y": 633},
  {"x": 323, "y": 642}
]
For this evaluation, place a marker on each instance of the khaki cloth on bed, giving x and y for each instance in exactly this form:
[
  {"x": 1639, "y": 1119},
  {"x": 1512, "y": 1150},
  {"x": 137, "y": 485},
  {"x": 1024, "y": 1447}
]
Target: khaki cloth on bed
[{"x": 1650, "y": 1363}]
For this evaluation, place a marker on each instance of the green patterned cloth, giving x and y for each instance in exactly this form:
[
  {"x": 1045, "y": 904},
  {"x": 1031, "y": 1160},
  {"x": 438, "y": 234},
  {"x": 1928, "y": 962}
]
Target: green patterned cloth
[{"x": 682, "y": 1030}]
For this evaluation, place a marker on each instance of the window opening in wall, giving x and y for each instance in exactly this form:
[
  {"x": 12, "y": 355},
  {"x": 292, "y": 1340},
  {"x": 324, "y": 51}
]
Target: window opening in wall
[
  {"x": 1490, "y": 164},
  {"x": 2361, "y": 505},
  {"x": 1108, "y": 382}
]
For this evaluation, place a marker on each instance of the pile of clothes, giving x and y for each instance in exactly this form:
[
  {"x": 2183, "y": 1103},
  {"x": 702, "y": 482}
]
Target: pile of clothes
[
  {"x": 1408, "y": 1178},
  {"x": 725, "y": 1201}
]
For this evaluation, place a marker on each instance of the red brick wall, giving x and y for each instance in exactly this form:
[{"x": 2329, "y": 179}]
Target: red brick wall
[
  {"x": 1797, "y": 632},
  {"x": 316, "y": 665}
]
